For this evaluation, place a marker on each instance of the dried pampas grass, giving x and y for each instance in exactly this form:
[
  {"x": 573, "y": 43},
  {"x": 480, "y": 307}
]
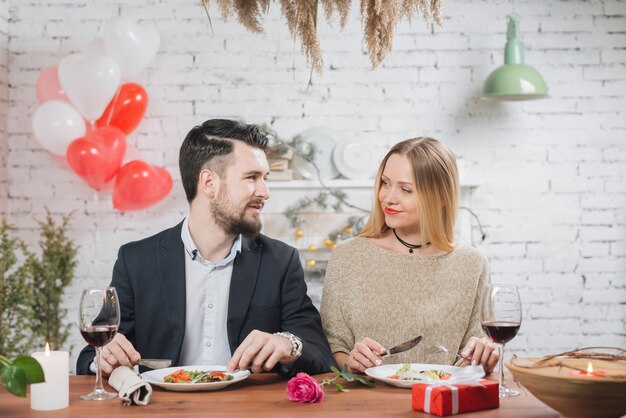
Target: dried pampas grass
[
  {"x": 379, "y": 19},
  {"x": 341, "y": 7},
  {"x": 307, "y": 31}
]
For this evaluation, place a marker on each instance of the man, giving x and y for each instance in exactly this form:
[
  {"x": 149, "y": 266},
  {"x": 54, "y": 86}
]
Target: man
[{"x": 213, "y": 290}]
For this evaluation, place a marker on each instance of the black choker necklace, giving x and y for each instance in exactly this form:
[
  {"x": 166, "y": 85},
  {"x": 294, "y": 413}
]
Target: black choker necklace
[{"x": 411, "y": 247}]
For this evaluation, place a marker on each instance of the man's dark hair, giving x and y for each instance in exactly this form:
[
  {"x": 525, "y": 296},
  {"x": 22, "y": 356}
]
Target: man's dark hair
[{"x": 209, "y": 146}]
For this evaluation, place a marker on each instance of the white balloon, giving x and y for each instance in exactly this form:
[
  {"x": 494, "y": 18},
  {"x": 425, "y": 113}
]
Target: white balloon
[
  {"x": 89, "y": 83},
  {"x": 95, "y": 49},
  {"x": 56, "y": 124},
  {"x": 130, "y": 44}
]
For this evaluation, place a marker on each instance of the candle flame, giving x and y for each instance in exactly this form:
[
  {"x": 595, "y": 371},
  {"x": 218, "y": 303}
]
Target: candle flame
[
  {"x": 47, "y": 349},
  {"x": 589, "y": 368}
]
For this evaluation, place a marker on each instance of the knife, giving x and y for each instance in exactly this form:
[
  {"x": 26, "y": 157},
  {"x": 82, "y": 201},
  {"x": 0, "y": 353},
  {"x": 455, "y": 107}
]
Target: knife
[
  {"x": 402, "y": 347},
  {"x": 152, "y": 363}
]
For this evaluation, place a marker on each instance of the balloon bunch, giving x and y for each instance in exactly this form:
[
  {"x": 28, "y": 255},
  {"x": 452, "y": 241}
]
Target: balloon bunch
[{"x": 85, "y": 114}]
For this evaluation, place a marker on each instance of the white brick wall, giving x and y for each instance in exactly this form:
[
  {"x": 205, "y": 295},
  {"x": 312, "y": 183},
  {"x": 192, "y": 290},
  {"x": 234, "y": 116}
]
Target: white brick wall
[
  {"x": 552, "y": 197},
  {"x": 4, "y": 102}
]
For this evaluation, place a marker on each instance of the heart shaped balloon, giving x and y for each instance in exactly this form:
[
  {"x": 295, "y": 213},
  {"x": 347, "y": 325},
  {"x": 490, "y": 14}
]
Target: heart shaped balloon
[
  {"x": 48, "y": 86},
  {"x": 126, "y": 109},
  {"x": 130, "y": 44},
  {"x": 97, "y": 157},
  {"x": 89, "y": 83},
  {"x": 131, "y": 154},
  {"x": 56, "y": 124},
  {"x": 95, "y": 48},
  {"x": 139, "y": 185}
]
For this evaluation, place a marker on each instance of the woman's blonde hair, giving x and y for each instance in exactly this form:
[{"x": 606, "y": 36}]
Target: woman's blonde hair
[{"x": 437, "y": 191}]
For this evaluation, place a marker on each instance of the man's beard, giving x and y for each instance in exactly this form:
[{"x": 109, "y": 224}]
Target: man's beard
[{"x": 232, "y": 222}]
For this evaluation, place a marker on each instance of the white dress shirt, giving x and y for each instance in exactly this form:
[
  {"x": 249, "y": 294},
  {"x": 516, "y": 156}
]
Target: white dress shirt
[{"x": 206, "y": 309}]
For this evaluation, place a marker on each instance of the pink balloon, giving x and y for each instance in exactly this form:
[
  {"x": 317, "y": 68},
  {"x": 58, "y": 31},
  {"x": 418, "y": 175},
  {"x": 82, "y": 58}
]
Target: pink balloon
[{"x": 48, "y": 86}]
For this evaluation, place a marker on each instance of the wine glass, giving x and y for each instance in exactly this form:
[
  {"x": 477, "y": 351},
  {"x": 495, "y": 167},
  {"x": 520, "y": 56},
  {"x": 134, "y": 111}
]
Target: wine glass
[
  {"x": 99, "y": 317},
  {"x": 501, "y": 314}
]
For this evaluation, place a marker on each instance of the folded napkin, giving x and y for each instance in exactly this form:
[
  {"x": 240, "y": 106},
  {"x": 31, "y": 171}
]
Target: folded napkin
[{"x": 130, "y": 387}]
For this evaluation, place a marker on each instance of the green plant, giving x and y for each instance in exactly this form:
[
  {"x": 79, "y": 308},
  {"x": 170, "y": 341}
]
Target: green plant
[
  {"x": 52, "y": 273},
  {"x": 16, "y": 299},
  {"x": 22, "y": 371},
  {"x": 16, "y": 296},
  {"x": 345, "y": 374}
]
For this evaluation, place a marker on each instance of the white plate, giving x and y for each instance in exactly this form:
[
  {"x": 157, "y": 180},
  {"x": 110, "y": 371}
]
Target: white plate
[
  {"x": 322, "y": 139},
  {"x": 155, "y": 377},
  {"x": 354, "y": 160},
  {"x": 458, "y": 373}
]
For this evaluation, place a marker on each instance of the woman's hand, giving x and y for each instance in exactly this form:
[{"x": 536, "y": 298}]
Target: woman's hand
[
  {"x": 480, "y": 351},
  {"x": 365, "y": 354}
]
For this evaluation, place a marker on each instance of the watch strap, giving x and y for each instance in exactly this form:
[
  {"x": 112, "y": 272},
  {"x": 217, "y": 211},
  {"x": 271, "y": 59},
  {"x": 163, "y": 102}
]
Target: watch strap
[{"x": 296, "y": 344}]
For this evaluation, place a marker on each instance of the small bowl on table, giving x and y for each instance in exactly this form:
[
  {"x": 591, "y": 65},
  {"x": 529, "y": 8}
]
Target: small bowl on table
[{"x": 575, "y": 393}]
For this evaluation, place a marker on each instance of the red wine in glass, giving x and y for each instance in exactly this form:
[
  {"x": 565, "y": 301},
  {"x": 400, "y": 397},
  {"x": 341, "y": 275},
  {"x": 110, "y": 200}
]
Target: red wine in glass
[
  {"x": 501, "y": 332},
  {"x": 501, "y": 317},
  {"x": 98, "y": 320},
  {"x": 99, "y": 335}
]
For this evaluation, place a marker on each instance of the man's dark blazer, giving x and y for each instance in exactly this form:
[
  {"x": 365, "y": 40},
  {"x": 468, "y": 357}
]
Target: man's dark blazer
[{"x": 267, "y": 292}]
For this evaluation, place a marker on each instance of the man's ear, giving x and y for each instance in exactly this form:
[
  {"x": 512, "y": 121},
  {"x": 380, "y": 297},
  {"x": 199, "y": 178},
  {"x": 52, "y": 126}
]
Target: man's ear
[{"x": 208, "y": 183}]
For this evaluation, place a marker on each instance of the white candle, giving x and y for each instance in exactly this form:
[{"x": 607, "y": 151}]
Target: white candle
[{"x": 54, "y": 393}]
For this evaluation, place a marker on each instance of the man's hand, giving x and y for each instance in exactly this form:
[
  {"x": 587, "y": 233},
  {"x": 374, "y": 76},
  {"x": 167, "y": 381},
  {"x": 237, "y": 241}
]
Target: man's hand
[
  {"x": 261, "y": 351},
  {"x": 118, "y": 352},
  {"x": 480, "y": 351}
]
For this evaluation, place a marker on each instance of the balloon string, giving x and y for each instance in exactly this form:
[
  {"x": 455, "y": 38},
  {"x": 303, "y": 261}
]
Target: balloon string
[{"x": 117, "y": 93}]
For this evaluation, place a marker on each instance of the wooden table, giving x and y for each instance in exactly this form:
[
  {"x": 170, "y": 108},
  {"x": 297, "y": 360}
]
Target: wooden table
[{"x": 261, "y": 396}]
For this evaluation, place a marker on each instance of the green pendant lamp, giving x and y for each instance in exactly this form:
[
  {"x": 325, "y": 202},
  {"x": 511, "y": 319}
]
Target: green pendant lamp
[{"x": 514, "y": 80}]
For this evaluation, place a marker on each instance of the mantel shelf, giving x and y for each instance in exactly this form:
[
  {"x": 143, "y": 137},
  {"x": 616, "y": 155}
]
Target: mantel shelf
[{"x": 335, "y": 184}]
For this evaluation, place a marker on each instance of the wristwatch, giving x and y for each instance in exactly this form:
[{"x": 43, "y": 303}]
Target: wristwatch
[{"x": 296, "y": 345}]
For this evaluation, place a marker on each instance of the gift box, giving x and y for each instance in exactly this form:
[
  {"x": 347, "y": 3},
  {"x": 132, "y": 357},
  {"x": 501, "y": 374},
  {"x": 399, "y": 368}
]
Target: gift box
[{"x": 443, "y": 399}]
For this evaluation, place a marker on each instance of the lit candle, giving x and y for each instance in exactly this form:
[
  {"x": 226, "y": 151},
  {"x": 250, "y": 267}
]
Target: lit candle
[
  {"x": 54, "y": 393},
  {"x": 590, "y": 372}
]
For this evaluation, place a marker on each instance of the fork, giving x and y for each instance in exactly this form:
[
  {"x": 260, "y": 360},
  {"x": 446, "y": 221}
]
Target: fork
[
  {"x": 200, "y": 376},
  {"x": 436, "y": 349}
]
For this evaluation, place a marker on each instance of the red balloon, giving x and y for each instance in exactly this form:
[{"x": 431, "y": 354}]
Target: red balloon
[
  {"x": 97, "y": 156},
  {"x": 126, "y": 108},
  {"x": 139, "y": 185}
]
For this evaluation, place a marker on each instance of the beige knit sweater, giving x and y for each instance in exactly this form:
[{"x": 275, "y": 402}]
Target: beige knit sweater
[{"x": 391, "y": 298}]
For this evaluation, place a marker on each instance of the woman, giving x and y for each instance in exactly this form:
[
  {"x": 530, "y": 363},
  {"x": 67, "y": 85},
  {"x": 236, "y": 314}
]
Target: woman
[{"x": 404, "y": 275}]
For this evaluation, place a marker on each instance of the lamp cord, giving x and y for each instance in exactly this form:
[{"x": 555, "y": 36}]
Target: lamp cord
[{"x": 483, "y": 235}]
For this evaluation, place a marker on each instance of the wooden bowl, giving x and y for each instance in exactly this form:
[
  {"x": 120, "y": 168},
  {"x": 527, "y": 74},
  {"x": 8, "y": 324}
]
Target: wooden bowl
[{"x": 575, "y": 395}]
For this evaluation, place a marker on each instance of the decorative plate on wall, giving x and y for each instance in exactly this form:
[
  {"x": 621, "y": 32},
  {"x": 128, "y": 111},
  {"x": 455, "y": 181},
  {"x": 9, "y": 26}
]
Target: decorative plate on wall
[
  {"x": 354, "y": 160},
  {"x": 324, "y": 142},
  {"x": 302, "y": 166}
]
